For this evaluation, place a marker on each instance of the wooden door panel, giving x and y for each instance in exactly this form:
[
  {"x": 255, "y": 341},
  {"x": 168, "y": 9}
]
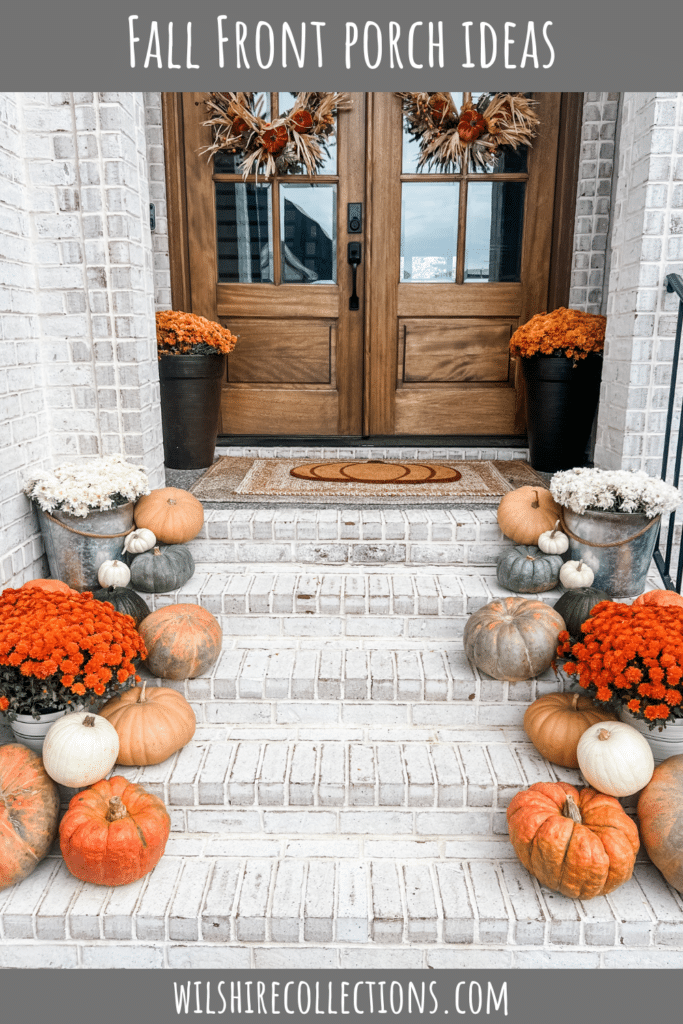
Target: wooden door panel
[
  {"x": 273, "y": 411},
  {"x": 265, "y": 354},
  {"x": 448, "y": 351},
  {"x": 440, "y": 411}
]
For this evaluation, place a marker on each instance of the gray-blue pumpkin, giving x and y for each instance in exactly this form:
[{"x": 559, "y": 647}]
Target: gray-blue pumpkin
[{"x": 525, "y": 569}]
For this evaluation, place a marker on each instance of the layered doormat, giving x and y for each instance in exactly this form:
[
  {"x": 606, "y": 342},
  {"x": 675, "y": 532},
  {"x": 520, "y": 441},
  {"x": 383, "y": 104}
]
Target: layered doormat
[{"x": 472, "y": 483}]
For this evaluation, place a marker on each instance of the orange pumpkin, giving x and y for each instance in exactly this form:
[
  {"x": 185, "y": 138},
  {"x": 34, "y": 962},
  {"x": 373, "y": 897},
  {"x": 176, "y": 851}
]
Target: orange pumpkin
[
  {"x": 29, "y": 809},
  {"x": 49, "y": 585},
  {"x": 151, "y": 723},
  {"x": 577, "y": 842},
  {"x": 173, "y": 515},
  {"x": 556, "y": 722},
  {"x": 182, "y": 641},
  {"x": 114, "y": 832},
  {"x": 659, "y": 813},
  {"x": 661, "y": 597},
  {"x": 527, "y": 512}
]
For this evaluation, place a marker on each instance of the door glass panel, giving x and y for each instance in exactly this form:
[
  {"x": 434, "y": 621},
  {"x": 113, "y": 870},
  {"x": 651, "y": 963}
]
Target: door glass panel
[
  {"x": 493, "y": 237},
  {"x": 510, "y": 161},
  {"x": 308, "y": 233},
  {"x": 244, "y": 232},
  {"x": 429, "y": 230}
]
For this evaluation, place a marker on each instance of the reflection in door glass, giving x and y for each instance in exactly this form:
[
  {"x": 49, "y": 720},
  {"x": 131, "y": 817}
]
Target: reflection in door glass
[
  {"x": 493, "y": 236},
  {"x": 429, "y": 230},
  {"x": 244, "y": 232},
  {"x": 308, "y": 233}
]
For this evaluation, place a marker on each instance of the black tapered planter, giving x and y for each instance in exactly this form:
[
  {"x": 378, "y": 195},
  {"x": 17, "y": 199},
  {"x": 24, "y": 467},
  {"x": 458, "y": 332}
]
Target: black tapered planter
[
  {"x": 190, "y": 408},
  {"x": 561, "y": 403}
]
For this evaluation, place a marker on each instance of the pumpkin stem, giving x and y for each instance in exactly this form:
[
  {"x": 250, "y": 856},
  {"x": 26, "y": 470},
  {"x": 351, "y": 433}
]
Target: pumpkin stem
[
  {"x": 604, "y": 734},
  {"x": 117, "y": 809},
  {"x": 535, "y": 504},
  {"x": 571, "y": 810},
  {"x": 157, "y": 551},
  {"x": 171, "y": 501},
  {"x": 141, "y": 698},
  {"x": 556, "y": 528},
  {"x": 580, "y": 566},
  {"x": 575, "y": 701},
  {"x": 89, "y": 721}
]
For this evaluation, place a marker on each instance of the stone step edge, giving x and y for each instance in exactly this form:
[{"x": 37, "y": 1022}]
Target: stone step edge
[{"x": 296, "y": 901}]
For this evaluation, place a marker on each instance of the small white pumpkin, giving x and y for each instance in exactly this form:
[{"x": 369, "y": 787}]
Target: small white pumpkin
[
  {"x": 576, "y": 574},
  {"x": 615, "y": 758},
  {"x": 81, "y": 751},
  {"x": 553, "y": 542},
  {"x": 113, "y": 573},
  {"x": 139, "y": 541}
]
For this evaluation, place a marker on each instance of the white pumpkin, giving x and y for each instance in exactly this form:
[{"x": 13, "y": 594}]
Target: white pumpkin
[
  {"x": 576, "y": 574},
  {"x": 553, "y": 542},
  {"x": 139, "y": 541},
  {"x": 113, "y": 573},
  {"x": 615, "y": 758},
  {"x": 81, "y": 751}
]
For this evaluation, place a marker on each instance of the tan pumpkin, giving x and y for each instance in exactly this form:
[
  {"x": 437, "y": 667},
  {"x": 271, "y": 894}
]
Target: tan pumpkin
[
  {"x": 43, "y": 584},
  {"x": 512, "y": 639},
  {"x": 29, "y": 812},
  {"x": 527, "y": 512},
  {"x": 151, "y": 723},
  {"x": 660, "y": 815},
  {"x": 173, "y": 515},
  {"x": 556, "y": 722},
  {"x": 182, "y": 640}
]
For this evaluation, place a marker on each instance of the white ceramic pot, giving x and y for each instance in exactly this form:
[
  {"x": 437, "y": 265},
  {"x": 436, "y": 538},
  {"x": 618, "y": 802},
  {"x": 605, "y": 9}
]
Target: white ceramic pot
[
  {"x": 32, "y": 731},
  {"x": 665, "y": 740}
]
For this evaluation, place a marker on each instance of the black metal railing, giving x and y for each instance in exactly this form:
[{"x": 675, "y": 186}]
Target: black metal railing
[{"x": 674, "y": 283}]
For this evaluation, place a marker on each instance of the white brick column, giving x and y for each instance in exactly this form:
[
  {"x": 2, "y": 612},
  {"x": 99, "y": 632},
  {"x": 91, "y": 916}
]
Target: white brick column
[{"x": 647, "y": 244}]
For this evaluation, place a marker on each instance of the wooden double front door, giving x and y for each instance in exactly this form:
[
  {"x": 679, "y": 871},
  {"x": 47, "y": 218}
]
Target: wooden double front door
[{"x": 450, "y": 265}]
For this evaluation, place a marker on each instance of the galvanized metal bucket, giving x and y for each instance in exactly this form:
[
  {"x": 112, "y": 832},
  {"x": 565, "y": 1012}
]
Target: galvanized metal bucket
[
  {"x": 618, "y": 547},
  {"x": 76, "y": 546},
  {"x": 665, "y": 740}
]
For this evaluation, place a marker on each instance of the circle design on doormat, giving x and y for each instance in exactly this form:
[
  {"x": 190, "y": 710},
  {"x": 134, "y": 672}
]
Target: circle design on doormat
[{"x": 376, "y": 472}]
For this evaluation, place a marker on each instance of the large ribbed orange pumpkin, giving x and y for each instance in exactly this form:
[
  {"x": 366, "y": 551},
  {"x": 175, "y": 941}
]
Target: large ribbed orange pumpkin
[
  {"x": 152, "y": 723},
  {"x": 173, "y": 515},
  {"x": 182, "y": 641},
  {"x": 575, "y": 841},
  {"x": 114, "y": 832},
  {"x": 29, "y": 809},
  {"x": 660, "y": 815},
  {"x": 661, "y": 597}
]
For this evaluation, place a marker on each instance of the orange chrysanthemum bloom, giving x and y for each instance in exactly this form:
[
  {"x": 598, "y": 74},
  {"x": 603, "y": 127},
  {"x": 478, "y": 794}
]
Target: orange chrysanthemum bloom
[
  {"x": 183, "y": 334},
  {"x": 632, "y": 656},
  {"x": 567, "y": 331}
]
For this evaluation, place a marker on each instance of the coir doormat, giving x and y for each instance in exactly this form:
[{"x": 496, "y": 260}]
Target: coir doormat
[{"x": 238, "y": 480}]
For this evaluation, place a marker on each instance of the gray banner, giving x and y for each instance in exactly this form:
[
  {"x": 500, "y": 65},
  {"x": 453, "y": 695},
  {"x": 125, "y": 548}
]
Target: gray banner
[
  {"x": 272, "y": 997},
  {"x": 359, "y": 44}
]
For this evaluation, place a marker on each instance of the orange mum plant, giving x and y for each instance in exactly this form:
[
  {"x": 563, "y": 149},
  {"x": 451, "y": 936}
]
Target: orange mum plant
[
  {"x": 568, "y": 332},
  {"x": 188, "y": 334},
  {"x": 60, "y": 649},
  {"x": 631, "y": 656}
]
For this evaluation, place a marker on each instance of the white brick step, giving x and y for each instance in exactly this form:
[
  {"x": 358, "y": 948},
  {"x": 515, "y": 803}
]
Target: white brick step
[
  {"x": 338, "y": 536},
  {"x": 204, "y": 905},
  {"x": 345, "y": 781},
  {"x": 412, "y": 602}
]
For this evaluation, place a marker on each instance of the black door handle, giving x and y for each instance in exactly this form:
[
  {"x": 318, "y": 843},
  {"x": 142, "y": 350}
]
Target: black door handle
[{"x": 354, "y": 257}]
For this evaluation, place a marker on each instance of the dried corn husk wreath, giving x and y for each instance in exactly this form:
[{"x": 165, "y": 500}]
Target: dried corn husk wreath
[
  {"x": 448, "y": 137},
  {"x": 294, "y": 143}
]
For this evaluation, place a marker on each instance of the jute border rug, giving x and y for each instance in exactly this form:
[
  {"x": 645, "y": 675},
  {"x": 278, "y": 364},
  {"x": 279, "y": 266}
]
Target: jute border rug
[{"x": 248, "y": 481}]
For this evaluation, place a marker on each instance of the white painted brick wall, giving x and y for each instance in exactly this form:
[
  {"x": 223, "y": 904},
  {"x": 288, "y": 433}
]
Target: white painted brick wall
[
  {"x": 78, "y": 374},
  {"x": 647, "y": 244}
]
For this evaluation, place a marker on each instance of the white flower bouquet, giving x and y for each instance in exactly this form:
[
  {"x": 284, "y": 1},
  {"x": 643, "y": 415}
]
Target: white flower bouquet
[
  {"x": 616, "y": 490},
  {"x": 93, "y": 484}
]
